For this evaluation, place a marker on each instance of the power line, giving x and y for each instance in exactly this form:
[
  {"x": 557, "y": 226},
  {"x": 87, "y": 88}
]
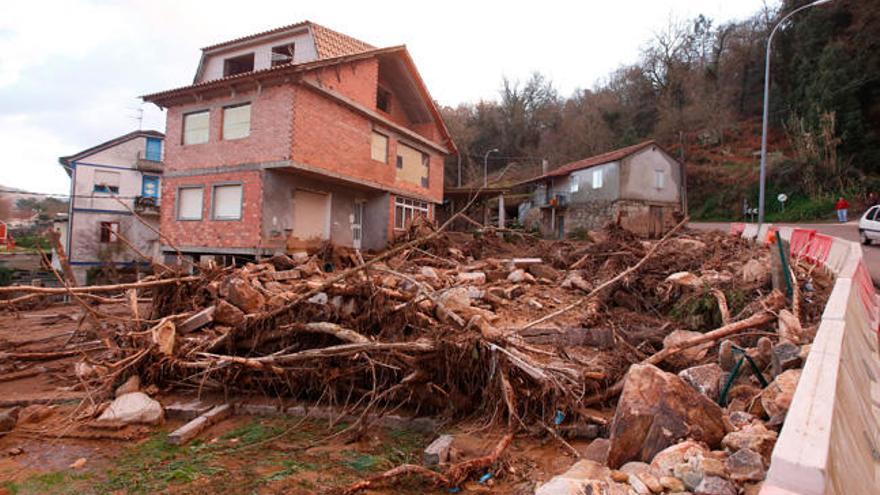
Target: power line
[{"x": 68, "y": 196}]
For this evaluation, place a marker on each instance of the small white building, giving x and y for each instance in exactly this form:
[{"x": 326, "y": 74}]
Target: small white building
[{"x": 109, "y": 182}]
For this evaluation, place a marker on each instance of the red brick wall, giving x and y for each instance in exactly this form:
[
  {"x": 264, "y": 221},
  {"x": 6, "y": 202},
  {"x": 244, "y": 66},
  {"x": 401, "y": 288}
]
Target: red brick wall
[
  {"x": 244, "y": 233},
  {"x": 269, "y": 139},
  {"x": 356, "y": 80},
  {"x": 329, "y": 135}
]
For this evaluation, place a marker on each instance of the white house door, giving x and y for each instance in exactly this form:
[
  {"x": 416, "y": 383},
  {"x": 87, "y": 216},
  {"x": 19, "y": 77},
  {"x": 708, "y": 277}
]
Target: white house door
[
  {"x": 357, "y": 225},
  {"x": 311, "y": 215}
]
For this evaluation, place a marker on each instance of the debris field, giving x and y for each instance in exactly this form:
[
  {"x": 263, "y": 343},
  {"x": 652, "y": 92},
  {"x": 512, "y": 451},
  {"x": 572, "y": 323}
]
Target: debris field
[{"x": 675, "y": 358}]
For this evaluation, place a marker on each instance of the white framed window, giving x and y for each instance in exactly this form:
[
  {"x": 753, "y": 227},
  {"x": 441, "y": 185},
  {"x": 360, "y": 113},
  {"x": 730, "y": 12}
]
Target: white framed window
[
  {"x": 659, "y": 179},
  {"x": 406, "y": 209},
  {"x": 226, "y": 202},
  {"x": 195, "y": 127},
  {"x": 598, "y": 179},
  {"x": 573, "y": 184},
  {"x": 237, "y": 121},
  {"x": 189, "y": 202},
  {"x": 379, "y": 147},
  {"x": 106, "y": 182}
]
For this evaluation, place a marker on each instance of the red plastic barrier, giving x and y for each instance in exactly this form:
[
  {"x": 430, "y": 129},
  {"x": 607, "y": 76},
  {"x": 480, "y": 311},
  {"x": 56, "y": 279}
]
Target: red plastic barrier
[
  {"x": 866, "y": 287},
  {"x": 800, "y": 241},
  {"x": 819, "y": 247},
  {"x": 737, "y": 229}
]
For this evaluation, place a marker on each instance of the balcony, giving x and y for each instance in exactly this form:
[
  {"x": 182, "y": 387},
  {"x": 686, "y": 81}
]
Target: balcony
[
  {"x": 146, "y": 205},
  {"x": 149, "y": 162}
]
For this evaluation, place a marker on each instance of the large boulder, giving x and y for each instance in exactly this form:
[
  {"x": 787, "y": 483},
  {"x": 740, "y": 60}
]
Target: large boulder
[
  {"x": 754, "y": 437},
  {"x": 706, "y": 379},
  {"x": 666, "y": 460},
  {"x": 135, "y": 407},
  {"x": 658, "y": 409},
  {"x": 227, "y": 314}
]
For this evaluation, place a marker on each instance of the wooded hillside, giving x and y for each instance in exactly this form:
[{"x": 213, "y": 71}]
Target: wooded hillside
[{"x": 697, "y": 88}]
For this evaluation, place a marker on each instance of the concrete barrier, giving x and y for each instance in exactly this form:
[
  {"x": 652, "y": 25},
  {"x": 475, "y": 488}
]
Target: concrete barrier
[{"x": 830, "y": 442}]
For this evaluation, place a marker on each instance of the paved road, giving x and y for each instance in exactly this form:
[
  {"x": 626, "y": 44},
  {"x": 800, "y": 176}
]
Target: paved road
[{"x": 848, "y": 231}]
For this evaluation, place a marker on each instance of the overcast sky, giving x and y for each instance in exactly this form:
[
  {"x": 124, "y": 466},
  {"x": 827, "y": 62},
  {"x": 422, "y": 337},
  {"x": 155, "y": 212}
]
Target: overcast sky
[{"x": 71, "y": 70}]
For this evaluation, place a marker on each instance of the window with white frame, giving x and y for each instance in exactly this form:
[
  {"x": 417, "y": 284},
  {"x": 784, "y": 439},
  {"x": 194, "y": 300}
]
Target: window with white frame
[
  {"x": 106, "y": 182},
  {"x": 195, "y": 127},
  {"x": 573, "y": 184},
  {"x": 237, "y": 121},
  {"x": 659, "y": 179},
  {"x": 406, "y": 209},
  {"x": 189, "y": 203},
  {"x": 226, "y": 204},
  {"x": 597, "y": 179},
  {"x": 379, "y": 147}
]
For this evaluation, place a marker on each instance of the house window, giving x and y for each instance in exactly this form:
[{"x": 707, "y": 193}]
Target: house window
[
  {"x": 238, "y": 65},
  {"x": 412, "y": 165},
  {"x": 109, "y": 231},
  {"x": 227, "y": 202},
  {"x": 189, "y": 203},
  {"x": 283, "y": 54},
  {"x": 659, "y": 179},
  {"x": 407, "y": 209},
  {"x": 573, "y": 184},
  {"x": 154, "y": 150},
  {"x": 106, "y": 182},
  {"x": 237, "y": 121},
  {"x": 379, "y": 147},
  {"x": 597, "y": 179},
  {"x": 195, "y": 127},
  {"x": 383, "y": 100}
]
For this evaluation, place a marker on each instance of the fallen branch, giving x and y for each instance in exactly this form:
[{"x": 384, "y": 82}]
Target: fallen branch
[{"x": 722, "y": 306}]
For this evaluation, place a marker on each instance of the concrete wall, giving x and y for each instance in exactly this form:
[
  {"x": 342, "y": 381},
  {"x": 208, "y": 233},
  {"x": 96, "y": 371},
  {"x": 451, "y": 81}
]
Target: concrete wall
[
  {"x": 830, "y": 441},
  {"x": 637, "y": 179},
  {"x": 278, "y": 210},
  {"x": 304, "y": 52}
]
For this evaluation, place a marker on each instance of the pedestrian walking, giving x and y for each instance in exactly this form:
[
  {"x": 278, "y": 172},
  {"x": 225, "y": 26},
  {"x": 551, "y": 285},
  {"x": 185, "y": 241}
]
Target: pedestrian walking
[{"x": 842, "y": 206}]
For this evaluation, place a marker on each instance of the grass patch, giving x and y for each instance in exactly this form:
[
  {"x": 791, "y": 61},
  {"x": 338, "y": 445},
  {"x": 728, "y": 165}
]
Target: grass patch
[
  {"x": 55, "y": 483},
  {"x": 289, "y": 467}
]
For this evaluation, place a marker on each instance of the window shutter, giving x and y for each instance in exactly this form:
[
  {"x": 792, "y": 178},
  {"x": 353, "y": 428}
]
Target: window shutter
[
  {"x": 227, "y": 202},
  {"x": 195, "y": 128},
  {"x": 379, "y": 148},
  {"x": 189, "y": 203},
  {"x": 237, "y": 122}
]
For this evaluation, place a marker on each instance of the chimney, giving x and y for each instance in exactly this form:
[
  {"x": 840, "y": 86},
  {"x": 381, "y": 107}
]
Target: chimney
[{"x": 544, "y": 166}]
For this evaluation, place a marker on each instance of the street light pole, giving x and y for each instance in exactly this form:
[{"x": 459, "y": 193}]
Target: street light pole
[
  {"x": 767, "y": 106},
  {"x": 486, "y": 166}
]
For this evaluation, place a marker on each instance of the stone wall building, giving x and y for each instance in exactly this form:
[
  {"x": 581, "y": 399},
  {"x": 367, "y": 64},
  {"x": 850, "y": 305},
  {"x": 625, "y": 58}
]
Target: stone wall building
[
  {"x": 298, "y": 135},
  {"x": 639, "y": 187}
]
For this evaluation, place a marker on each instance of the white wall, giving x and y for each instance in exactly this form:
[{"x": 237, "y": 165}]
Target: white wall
[{"x": 303, "y": 52}]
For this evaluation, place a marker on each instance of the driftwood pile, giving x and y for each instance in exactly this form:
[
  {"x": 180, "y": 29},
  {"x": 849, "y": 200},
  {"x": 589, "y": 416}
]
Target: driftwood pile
[{"x": 516, "y": 332}]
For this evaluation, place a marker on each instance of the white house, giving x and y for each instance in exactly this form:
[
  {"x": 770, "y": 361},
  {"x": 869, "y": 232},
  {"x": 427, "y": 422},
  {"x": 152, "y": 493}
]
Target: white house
[{"x": 109, "y": 181}]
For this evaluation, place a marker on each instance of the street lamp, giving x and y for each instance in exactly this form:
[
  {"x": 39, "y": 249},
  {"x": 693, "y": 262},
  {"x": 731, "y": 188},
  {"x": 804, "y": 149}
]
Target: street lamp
[
  {"x": 767, "y": 106},
  {"x": 486, "y": 166}
]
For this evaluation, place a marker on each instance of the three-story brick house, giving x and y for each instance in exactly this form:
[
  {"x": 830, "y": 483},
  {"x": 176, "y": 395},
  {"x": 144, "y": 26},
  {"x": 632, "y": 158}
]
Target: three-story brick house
[{"x": 297, "y": 135}]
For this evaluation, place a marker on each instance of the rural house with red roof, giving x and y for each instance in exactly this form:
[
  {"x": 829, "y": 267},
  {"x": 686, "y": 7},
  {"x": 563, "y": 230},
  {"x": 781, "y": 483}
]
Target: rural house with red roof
[
  {"x": 298, "y": 135},
  {"x": 639, "y": 187}
]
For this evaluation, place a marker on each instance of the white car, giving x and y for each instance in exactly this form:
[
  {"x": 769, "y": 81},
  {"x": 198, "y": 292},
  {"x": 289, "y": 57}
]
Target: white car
[{"x": 869, "y": 225}]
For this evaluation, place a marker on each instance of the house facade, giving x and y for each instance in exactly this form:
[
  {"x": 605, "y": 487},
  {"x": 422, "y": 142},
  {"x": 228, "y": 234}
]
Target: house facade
[
  {"x": 107, "y": 183},
  {"x": 298, "y": 135},
  {"x": 639, "y": 187}
]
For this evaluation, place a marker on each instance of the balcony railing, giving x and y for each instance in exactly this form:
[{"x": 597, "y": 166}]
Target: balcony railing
[
  {"x": 149, "y": 162},
  {"x": 146, "y": 205}
]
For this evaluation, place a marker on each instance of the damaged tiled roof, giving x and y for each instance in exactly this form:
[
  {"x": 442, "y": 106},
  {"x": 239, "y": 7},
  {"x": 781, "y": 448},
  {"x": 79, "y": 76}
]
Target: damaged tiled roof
[
  {"x": 607, "y": 157},
  {"x": 331, "y": 44}
]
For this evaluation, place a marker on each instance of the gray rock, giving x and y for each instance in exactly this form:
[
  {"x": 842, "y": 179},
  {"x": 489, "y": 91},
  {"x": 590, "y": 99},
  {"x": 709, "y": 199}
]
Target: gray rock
[
  {"x": 745, "y": 465},
  {"x": 689, "y": 473},
  {"x": 438, "y": 451},
  {"x": 786, "y": 356},
  {"x": 705, "y": 379},
  {"x": 713, "y": 485}
]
